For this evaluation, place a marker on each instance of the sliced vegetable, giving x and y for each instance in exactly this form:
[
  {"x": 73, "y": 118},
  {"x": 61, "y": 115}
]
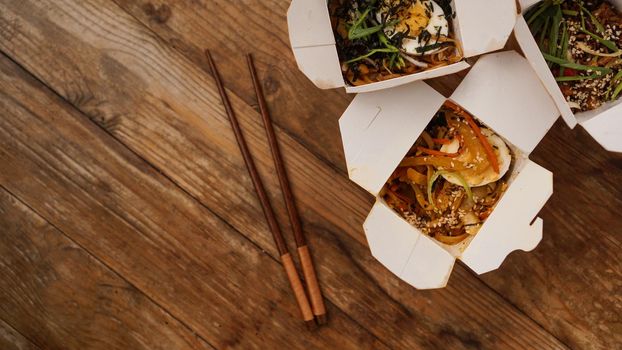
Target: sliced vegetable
[
  {"x": 607, "y": 43},
  {"x": 583, "y": 46},
  {"x": 599, "y": 27},
  {"x": 567, "y": 64},
  {"x": 451, "y": 239},
  {"x": 442, "y": 141},
  {"x": 462, "y": 182},
  {"x": 370, "y": 53},
  {"x": 434, "y": 152},
  {"x": 492, "y": 158},
  {"x": 456, "y": 176},
  {"x": 578, "y": 77},
  {"x": 416, "y": 177},
  {"x": 554, "y": 33},
  {"x": 617, "y": 91}
]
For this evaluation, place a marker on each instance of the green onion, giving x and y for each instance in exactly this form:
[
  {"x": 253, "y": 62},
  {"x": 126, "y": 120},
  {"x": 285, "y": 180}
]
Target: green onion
[
  {"x": 536, "y": 26},
  {"x": 355, "y": 27},
  {"x": 361, "y": 33},
  {"x": 544, "y": 31},
  {"x": 597, "y": 24},
  {"x": 463, "y": 183},
  {"x": 428, "y": 47},
  {"x": 392, "y": 60},
  {"x": 607, "y": 43},
  {"x": 457, "y": 176},
  {"x": 554, "y": 33},
  {"x": 570, "y": 12},
  {"x": 564, "y": 50},
  {"x": 542, "y": 8},
  {"x": 578, "y": 77},
  {"x": 374, "y": 51},
  {"x": 567, "y": 64},
  {"x": 401, "y": 62},
  {"x": 617, "y": 91},
  {"x": 430, "y": 184},
  {"x": 618, "y": 88}
]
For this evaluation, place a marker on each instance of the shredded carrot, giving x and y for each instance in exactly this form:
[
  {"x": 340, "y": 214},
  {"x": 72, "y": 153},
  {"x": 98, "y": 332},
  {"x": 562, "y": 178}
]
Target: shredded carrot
[
  {"x": 490, "y": 154},
  {"x": 442, "y": 141},
  {"x": 482, "y": 139},
  {"x": 434, "y": 152}
]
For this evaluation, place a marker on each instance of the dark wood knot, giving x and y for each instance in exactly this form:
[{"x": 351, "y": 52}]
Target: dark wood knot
[{"x": 160, "y": 14}]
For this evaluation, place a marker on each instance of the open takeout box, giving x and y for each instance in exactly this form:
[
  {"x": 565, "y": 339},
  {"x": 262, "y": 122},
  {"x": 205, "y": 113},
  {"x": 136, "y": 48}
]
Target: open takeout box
[
  {"x": 481, "y": 26},
  {"x": 604, "y": 123},
  {"x": 378, "y": 128}
]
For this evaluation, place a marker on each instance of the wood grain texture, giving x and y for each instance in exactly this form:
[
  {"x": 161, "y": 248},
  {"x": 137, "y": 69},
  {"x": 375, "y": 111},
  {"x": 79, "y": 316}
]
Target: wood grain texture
[
  {"x": 578, "y": 264},
  {"x": 138, "y": 223},
  {"x": 10, "y": 339},
  {"x": 167, "y": 110},
  {"x": 595, "y": 323},
  {"x": 164, "y": 108},
  {"x": 62, "y": 298}
]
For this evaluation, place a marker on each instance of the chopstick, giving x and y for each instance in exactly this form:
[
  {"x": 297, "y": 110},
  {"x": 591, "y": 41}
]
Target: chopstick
[
  {"x": 286, "y": 258},
  {"x": 308, "y": 270}
]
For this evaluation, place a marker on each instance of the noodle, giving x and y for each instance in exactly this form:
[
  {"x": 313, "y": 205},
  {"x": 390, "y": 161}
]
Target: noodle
[
  {"x": 368, "y": 54},
  {"x": 420, "y": 189}
]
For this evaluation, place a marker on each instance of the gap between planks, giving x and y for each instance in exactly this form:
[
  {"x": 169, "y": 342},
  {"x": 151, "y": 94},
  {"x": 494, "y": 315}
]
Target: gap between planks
[{"x": 10, "y": 327}]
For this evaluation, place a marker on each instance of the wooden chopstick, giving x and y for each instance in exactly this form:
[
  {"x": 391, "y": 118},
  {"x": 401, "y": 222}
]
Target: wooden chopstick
[
  {"x": 286, "y": 258},
  {"x": 308, "y": 270}
]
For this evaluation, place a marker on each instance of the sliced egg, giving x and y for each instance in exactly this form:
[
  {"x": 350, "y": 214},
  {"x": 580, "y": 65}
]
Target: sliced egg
[
  {"x": 502, "y": 152},
  {"x": 420, "y": 16}
]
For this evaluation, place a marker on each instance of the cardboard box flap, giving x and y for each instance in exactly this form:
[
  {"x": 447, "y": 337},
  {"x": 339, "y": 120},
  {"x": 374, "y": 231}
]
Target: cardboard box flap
[
  {"x": 510, "y": 226},
  {"x": 484, "y": 25},
  {"x": 429, "y": 265},
  {"x": 532, "y": 52},
  {"x": 503, "y": 92},
  {"x": 308, "y": 22},
  {"x": 378, "y": 129},
  {"x": 318, "y": 64},
  {"x": 313, "y": 43},
  {"x": 404, "y": 251},
  {"x": 606, "y": 128},
  {"x": 526, "y": 4}
]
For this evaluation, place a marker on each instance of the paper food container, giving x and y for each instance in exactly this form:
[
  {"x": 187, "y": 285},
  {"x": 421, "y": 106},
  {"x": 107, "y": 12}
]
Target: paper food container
[
  {"x": 378, "y": 128},
  {"x": 604, "y": 123},
  {"x": 481, "y": 26}
]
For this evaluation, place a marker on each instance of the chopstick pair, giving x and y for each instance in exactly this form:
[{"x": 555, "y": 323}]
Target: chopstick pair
[{"x": 315, "y": 310}]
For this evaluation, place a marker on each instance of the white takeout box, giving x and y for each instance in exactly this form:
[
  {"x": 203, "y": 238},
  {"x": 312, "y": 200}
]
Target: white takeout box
[
  {"x": 481, "y": 26},
  {"x": 604, "y": 123},
  {"x": 378, "y": 129}
]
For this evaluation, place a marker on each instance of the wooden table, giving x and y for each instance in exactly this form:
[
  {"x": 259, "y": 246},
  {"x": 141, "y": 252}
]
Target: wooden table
[{"x": 127, "y": 219}]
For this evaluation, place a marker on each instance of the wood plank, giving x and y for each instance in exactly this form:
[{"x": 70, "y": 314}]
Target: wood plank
[
  {"x": 61, "y": 297},
  {"x": 185, "y": 30},
  {"x": 142, "y": 226},
  {"x": 258, "y": 27},
  {"x": 10, "y": 339},
  {"x": 167, "y": 110},
  {"x": 578, "y": 262}
]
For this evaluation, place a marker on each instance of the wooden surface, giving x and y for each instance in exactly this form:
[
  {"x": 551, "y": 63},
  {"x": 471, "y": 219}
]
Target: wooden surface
[{"x": 128, "y": 221}]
